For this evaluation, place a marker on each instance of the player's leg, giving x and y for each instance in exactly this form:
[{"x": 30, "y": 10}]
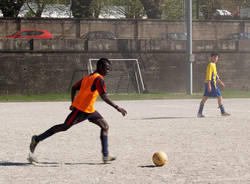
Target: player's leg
[
  {"x": 202, "y": 103},
  {"x": 221, "y": 106},
  {"x": 97, "y": 119},
  {"x": 70, "y": 120}
]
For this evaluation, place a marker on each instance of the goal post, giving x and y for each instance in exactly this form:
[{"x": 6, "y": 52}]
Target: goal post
[{"x": 125, "y": 75}]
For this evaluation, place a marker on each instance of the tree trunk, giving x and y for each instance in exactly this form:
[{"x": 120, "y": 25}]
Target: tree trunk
[
  {"x": 81, "y": 8},
  {"x": 208, "y": 8},
  {"x": 152, "y": 8},
  {"x": 11, "y": 8}
]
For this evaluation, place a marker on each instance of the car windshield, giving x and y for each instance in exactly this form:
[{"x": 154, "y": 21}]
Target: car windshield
[
  {"x": 27, "y": 33},
  {"x": 177, "y": 36}
]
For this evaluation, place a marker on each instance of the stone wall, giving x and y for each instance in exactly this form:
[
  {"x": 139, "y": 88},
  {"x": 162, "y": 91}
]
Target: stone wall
[
  {"x": 52, "y": 66},
  {"x": 123, "y": 28}
]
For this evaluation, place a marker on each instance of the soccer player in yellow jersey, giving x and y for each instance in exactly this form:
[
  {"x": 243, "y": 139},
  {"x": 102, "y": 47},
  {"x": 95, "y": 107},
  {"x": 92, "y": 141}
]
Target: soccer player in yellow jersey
[
  {"x": 82, "y": 108},
  {"x": 211, "y": 86}
]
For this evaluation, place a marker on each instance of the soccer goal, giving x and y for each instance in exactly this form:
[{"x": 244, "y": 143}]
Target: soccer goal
[{"x": 125, "y": 75}]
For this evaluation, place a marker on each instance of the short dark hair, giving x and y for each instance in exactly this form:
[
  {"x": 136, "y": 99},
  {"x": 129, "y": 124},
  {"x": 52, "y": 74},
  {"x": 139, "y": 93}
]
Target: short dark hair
[
  {"x": 214, "y": 54},
  {"x": 102, "y": 62}
]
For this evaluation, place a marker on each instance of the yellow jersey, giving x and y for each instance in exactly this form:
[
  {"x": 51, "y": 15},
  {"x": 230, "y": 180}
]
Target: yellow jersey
[{"x": 211, "y": 73}]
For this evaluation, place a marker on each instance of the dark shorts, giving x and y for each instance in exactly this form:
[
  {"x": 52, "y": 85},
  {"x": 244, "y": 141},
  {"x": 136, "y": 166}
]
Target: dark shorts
[
  {"x": 215, "y": 91},
  {"x": 77, "y": 116}
]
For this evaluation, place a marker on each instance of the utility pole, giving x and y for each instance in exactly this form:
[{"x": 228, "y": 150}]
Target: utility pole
[
  {"x": 197, "y": 9},
  {"x": 189, "y": 59},
  {"x": 184, "y": 9},
  {"x": 70, "y": 10}
]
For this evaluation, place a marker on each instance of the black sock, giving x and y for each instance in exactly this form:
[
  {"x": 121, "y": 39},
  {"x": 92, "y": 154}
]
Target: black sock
[{"x": 104, "y": 141}]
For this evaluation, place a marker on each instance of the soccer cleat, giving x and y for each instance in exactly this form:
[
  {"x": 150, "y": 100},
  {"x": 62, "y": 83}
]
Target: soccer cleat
[
  {"x": 200, "y": 115},
  {"x": 33, "y": 144},
  {"x": 225, "y": 114},
  {"x": 108, "y": 159},
  {"x": 32, "y": 159}
]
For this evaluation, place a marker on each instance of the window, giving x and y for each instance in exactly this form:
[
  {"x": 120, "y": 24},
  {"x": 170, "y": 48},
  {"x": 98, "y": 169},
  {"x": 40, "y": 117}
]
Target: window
[
  {"x": 35, "y": 33},
  {"x": 26, "y": 33}
]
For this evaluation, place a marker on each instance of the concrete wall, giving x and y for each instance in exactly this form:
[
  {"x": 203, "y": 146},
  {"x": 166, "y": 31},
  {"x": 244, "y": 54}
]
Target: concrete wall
[
  {"x": 123, "y": 28},
  {"x": 52, "y": 66}
]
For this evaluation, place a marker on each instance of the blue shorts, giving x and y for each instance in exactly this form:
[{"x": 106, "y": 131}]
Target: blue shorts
[{"x": 215, "y": 91}]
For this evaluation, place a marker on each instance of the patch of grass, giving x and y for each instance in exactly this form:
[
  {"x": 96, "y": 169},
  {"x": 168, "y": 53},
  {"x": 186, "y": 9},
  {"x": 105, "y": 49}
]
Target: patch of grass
[
  {"x": 30, "y": 98},
  {"x": 152, "y": 96},
  {"x": 148, "y": 96},
  {"x": 236, "y": 94}
]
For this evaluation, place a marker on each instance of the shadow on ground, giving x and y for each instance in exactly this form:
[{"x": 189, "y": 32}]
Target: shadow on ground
[
  {"x": 44, "y": 164},
  {"x": 154, "y": 118}
]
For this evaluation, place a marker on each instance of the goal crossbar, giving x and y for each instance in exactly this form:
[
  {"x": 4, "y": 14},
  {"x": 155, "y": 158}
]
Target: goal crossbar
[{"x": 90, "y": 70}]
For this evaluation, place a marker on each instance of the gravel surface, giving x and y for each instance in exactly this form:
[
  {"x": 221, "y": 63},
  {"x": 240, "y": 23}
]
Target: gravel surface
[{"x": 208, "y": 150}]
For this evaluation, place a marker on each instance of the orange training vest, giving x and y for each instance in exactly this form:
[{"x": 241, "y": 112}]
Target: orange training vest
[{"x": 86, "y": 98}]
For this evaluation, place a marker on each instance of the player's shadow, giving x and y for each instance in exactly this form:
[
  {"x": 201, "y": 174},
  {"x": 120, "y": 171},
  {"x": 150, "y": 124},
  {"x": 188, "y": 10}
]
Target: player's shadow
[
  {"x": 5, "y": 163},
  {"x": 42, "y": 164},
  {"x": 154, "y": 118},
  {"x": 84, "y": 163},
  {"x": 147, "y": 166}
]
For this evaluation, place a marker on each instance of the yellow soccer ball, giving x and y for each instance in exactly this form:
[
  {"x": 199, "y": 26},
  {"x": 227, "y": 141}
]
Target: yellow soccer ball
[{"x": 160, "y": 158}]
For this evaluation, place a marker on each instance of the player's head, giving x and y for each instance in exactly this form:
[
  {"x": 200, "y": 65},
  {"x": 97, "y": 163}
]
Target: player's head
[
  {"x": 214, "y": 56},
  {"x": 103, "y": 66}
]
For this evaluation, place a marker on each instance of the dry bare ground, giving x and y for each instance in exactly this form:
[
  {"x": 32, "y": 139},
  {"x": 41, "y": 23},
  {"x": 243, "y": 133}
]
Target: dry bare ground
[{"x": 211, "y": 150}]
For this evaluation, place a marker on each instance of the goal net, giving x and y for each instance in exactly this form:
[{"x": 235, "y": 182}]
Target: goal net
[{"x": 124, "y": 76}]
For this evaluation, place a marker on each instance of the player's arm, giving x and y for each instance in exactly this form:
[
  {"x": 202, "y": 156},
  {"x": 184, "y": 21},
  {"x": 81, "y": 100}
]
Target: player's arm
[
  {"x": 220, "y": 82},
  {"x": 209, "y": 77},
  {"x": 105, "y": 98},
  {"x": 100, "y": 87},
  {"x": 209, "y": 88}
]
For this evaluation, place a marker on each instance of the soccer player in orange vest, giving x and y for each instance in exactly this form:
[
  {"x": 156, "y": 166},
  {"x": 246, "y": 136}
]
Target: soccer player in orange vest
[{"x": 90, "y": 87}]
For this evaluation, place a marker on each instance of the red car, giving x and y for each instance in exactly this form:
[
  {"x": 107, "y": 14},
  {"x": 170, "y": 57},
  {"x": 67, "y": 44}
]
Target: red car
[{"x": 32, "y": 33}]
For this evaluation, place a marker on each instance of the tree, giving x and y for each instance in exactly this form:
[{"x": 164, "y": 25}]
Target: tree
[
  {"x": 82, "y": 8},
  {"x": 172, "y": 9},
  {"x": 114, "y": 8},
  {"x": 38, "y": 10},
  {"x": 247, "y": 3},
  {"x": 131, "y": 9},
  {"x": 153, "y": 8},
  {"x": 208, "y": 8},
  {"x": 11, "y": 8}
]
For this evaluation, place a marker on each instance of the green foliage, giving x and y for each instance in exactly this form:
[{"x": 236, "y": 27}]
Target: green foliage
[
  {"x": 172, "y": 9},
  {"x": 82, "y": 8},
  {"x": 11, "y": 8},
  {"x": 121, "y": 8},
  {"x": 152, "y": 8},
  {"x": 155, "y": 9},
  {"x": 38, "y": 10},
  {"x": 30, "y": 13}
]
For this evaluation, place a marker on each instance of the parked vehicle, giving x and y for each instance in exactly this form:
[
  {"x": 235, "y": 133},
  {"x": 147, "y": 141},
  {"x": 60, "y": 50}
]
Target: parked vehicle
[
  {"x": 223, "y": 13},
  {"x": 99, "y": 35},
  {"x": 31, "y": 34},
  {"x": 238, "y": 36},
  {"x": 174, "y": 36}
]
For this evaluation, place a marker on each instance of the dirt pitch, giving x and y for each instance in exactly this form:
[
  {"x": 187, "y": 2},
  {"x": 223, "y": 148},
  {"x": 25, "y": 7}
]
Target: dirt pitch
[{"x": 211, "y": 150}]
